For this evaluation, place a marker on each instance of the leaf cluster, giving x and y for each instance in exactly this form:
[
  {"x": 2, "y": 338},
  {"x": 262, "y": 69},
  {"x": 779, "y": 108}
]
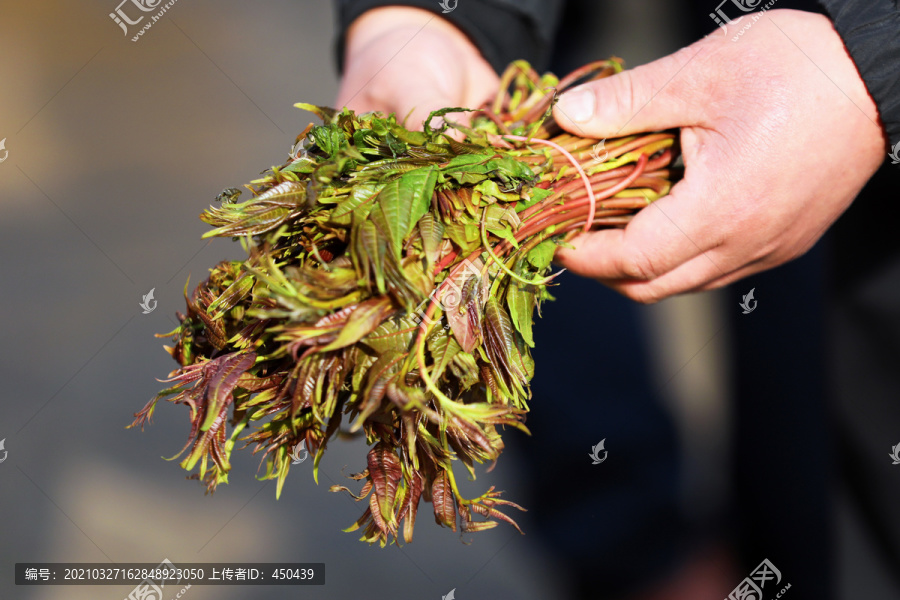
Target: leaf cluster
[{"x": 389, "y": 291}]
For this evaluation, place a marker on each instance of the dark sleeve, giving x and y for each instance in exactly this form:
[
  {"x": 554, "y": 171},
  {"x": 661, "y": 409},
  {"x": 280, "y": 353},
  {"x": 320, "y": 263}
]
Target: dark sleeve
[
  {"x": 504, "y": 30},
  {"x": 871, "y": 31}
]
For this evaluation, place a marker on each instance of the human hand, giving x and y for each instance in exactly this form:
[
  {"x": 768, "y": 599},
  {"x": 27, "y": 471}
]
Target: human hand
[
  {"x": 778, "y": 135},
  {"x": 402, "y": 59}
]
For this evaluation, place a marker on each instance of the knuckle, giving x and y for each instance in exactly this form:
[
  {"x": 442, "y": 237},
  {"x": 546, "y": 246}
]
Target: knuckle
[
  {"x": 676, "y": 77},
  {"x": 638, "y": 265},
  {"x": 766, "y": 250},
  {"x": 645, "y": 294},
  {"x": 626, "y": 96}
]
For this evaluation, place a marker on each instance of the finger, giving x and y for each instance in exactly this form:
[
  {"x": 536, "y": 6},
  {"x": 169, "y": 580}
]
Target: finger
[
  {"x": 709, "y": 271},
  {"x": 757, "y": 266},
  {"x": 668, "y": 233},
  {"x": 658, "y": 95},
  {"x": 703, "y": 272}
]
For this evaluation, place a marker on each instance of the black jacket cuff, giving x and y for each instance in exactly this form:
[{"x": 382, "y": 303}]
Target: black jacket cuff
[{"x": 871, "y": 31}]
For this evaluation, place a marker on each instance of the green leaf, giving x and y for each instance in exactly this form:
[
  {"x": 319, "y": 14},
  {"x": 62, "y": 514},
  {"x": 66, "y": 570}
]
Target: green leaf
[
  {"x": 524, "y": 359},
  {"x": 396, "y": 146},
  {"x": 465, "y": 368},
  {"x": 302, "y": 165},
  {"x": 542, "y": 255},
  {"x": 479, "y": 168},
  {"x": 408, "y": 136},
  {"x": 420, "y": 184},
  {"x": 233, "y": 294},
  {"x": 257, "y": 215},
  {"x": 401, "y": 203},
  {"x": 369, "y": 255},
  {"x": 467, "y": 168},
  {"x": 520, "y": 299},
  {"x": 506, "y": 234},
  {"x": 255, "y": 224},
  {"x": 443, "y": 348},
  {"x": 363, "y": 320},
  {"x": 392, "y": 335},
  {"x": 432, "y": 231},
  {"x": 490, "y": 188},
  {"x": 507, "y": 167},
  {"x": 323, "y": 112},
  {"x": 391, "y": 214},
  {"x": 465, "y": 160},
  {"x": 362, "y": 195},
  {"x": 329, "y": 138},
  {"x": 496, "y": 218},
  {"x": 465, "y": 235},
  {"x": 466, "y": 177},
  {"x": 534, "y": 195}
]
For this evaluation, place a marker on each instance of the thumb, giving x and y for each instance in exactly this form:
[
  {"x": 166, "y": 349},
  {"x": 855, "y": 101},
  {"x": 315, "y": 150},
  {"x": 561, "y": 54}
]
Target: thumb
[{"x": 657, "y": 95}]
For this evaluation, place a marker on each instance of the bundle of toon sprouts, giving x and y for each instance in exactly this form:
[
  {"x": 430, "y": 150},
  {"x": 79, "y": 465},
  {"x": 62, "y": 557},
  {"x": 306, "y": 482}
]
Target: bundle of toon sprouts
[{"x": 389, "y": 289}]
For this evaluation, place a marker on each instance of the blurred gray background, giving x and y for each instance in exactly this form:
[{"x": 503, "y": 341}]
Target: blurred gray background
[{"x": 115, "y": 148}]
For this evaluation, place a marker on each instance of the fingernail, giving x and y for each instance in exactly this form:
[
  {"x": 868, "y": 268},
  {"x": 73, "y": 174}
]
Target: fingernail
[{"x": 578, "y": 105}]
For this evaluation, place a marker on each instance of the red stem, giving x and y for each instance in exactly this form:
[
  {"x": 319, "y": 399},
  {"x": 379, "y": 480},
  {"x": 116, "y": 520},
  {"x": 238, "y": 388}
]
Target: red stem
[{"x": 575, "y": 163}]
